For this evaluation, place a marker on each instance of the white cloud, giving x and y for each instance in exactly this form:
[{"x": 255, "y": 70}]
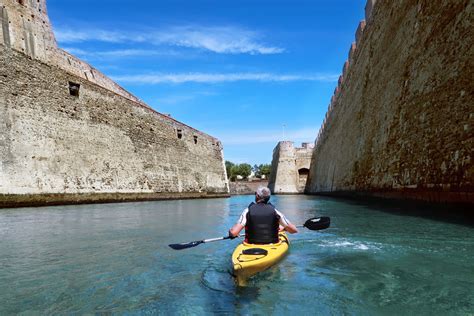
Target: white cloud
[
  {"x": 75, "y": 36},
  {"x": 268, "y": 136},
  {"x": 223, "y": 40},
  {"x": 229, "y": 40},
  {"x": 121, "y": 53},
  {"x": 221, "y": 77}
]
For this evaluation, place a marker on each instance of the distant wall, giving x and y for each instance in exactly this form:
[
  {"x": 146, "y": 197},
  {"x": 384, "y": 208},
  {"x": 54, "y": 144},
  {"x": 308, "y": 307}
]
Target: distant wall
[
  {"x": 245, "y": 187},
  {"x": 400, "y": 121},
  {"x": 99, "y": 146}
]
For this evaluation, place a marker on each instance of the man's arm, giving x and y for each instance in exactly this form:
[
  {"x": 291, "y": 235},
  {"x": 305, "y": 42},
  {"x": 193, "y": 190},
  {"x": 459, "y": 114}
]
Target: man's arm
[
  {"x": 235, "y": 230},
  {"x": 289, "y": 227}
]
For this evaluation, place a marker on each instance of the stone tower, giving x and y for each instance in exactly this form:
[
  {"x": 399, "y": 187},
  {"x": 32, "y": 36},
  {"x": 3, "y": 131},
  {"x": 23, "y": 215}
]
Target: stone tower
[
  {"x": 26, "y": 28},
  {"x": 290, "y": 167}
]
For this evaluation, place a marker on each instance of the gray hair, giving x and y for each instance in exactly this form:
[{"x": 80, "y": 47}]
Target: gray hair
[{"x": 263, "y": 192}]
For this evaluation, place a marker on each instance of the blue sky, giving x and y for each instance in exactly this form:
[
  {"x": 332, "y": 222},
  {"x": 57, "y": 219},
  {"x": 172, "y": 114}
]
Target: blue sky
[{"x": 250, "y": 73}]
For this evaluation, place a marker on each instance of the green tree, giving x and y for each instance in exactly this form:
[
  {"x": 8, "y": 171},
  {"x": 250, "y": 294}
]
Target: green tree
[
  {"x": 234, "y": 172},
  {"x": 264, "y": 170},
  {"x": 228, "y": 168},
  {"x": 245, "y": 170}
]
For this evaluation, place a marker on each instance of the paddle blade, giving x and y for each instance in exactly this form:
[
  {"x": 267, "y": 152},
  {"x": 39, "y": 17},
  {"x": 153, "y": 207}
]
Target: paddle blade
[
  {"x": 185, "y": 245},
  {"x": 317, "y": 223}
]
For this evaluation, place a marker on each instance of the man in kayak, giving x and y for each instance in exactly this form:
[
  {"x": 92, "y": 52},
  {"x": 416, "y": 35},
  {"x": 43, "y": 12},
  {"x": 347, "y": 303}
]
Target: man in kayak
[{"x": 262, "y": 221}]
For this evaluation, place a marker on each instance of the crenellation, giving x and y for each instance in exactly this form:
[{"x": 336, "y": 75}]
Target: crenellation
[
  {"x": 352, "y": 52},
  {"x": 345, "y": 69},
  {"x": 369, "y": 7},
  {"x": 360, "y": 31}
]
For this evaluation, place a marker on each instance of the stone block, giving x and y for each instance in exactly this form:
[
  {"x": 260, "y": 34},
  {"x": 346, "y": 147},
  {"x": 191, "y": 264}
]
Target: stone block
[
  {"x": 345, "y": 69},
  {"x": 360, "y": 30},
  {"x": 352, "y": 52}
]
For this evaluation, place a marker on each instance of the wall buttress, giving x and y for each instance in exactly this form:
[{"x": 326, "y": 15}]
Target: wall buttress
[{"x": 5, "y": 34}]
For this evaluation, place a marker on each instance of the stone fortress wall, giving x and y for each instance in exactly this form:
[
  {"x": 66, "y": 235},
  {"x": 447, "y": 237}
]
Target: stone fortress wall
[
  {"x": 290, "y": 168},
  {"x": 68, "y": 134},
  {"x": 400, "y": 122}
]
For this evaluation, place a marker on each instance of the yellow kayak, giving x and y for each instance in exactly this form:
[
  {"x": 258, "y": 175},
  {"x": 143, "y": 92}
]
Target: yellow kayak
[{"x": 249, "y": 259}]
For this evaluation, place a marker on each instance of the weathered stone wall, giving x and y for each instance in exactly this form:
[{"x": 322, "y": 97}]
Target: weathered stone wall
[
  {"x": 27, "y": 29},
  {"x": 289, "y": 168},
  {"x": 99, "y": 146},
  {"x": 400, "y": 121}
]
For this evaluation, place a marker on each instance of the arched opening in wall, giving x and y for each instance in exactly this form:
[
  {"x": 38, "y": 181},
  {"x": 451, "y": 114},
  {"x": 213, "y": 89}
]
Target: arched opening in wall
[{"x": 302, "y": 178}]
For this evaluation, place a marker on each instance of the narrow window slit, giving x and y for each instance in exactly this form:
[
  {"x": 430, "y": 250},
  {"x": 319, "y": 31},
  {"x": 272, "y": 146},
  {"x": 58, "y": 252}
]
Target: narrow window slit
[{"x": 179, "y": 133}]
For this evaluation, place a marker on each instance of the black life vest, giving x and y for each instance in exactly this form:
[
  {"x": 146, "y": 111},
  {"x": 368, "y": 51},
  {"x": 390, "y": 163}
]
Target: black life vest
[{"x": 262, "y": 224}]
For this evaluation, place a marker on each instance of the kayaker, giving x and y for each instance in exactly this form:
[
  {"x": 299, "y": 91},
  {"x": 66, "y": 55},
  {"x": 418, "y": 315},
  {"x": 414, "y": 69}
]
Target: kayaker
[{"x": 262, "y": 221}]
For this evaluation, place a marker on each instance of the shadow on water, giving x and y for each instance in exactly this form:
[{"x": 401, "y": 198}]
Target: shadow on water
[
  {"x": 224, "y": 296},
  {"x": 458, "y": 214}
]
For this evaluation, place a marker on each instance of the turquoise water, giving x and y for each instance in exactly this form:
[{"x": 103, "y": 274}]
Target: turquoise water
[{"x": 114, "y": 258}]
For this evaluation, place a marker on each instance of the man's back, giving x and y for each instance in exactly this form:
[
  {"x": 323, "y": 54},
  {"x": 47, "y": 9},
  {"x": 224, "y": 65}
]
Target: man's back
[{"x": 262, "y": 224}]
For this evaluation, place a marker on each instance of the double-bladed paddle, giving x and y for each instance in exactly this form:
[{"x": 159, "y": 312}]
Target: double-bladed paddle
[{"x": 316, "y": 223}]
